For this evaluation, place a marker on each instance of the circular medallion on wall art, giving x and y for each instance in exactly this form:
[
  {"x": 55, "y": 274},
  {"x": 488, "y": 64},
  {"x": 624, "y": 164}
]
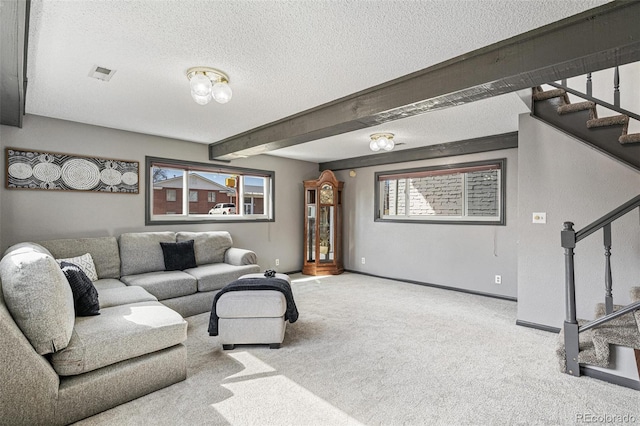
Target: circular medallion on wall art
[
  {"x": 80, "y": 174},
  {"x": 47, "y": 172},
  {"x": 130, "y": 178},
  {"x": 111, "y": 177},
  {"x": 20, "y": 171}
]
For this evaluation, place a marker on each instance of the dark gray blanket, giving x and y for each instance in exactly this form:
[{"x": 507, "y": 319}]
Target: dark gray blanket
[{"x": 258, "y": 283}]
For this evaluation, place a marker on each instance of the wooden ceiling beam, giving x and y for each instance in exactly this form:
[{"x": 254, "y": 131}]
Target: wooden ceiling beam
[
  {"x": 599, "y": 38},
  {"x": 450, "y": 149}
]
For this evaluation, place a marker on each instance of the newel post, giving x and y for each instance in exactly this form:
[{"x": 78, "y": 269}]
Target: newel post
[{"x": 571, "y": 342}]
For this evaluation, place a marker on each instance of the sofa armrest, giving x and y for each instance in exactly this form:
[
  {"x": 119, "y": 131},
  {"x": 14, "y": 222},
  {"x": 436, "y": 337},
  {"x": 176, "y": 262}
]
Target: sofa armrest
[{"x": 239, "y": 257}]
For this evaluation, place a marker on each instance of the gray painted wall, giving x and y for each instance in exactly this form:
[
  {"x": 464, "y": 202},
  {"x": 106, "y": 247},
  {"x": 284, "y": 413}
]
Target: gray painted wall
[
  {"x": 549, "y": 172},
  {"x": 570, "y": 182},
  {"x": 39, "y": 215},
  {"x": 461, "y": 256}
]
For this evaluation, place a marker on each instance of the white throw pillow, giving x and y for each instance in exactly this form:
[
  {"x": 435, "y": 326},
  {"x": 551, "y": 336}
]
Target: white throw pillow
[{"x": 85, "y": 262}]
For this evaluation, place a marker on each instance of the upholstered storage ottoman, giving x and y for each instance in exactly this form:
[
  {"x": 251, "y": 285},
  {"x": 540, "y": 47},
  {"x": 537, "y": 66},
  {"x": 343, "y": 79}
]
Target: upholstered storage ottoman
[{"x": 252, "y": 316}]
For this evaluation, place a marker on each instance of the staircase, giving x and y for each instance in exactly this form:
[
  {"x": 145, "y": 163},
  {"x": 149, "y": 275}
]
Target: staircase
[
  {"x": 587, "y": 343},
  {"x": 580, "y": 119},
  {"x": 595, "y": 343}
]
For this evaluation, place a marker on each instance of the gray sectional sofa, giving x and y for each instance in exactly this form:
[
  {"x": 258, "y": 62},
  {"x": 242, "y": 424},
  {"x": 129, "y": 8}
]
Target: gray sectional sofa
[{"x": 58, "y": 368}]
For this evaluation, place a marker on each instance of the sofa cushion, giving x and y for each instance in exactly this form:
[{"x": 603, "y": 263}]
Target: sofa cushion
[
  {"x": 217, "y": 275},
  {"x": 251, "y": 304},
  {"x": 38, "y": 297},
  {"x": 164, "y": 284},
  {"x": 140, "y": 252},
  {"x": 209, "y": 246},
  {"x": 85, "y": 295},
  {"x": 178, "y": 256},
  {"x": 104, "y": 252},
  {"x": 84, "y": 262},
  {"x": 122, "y": 296},
  {"x": 106, "y": 283},
  {"x": 120, "y": 333}
]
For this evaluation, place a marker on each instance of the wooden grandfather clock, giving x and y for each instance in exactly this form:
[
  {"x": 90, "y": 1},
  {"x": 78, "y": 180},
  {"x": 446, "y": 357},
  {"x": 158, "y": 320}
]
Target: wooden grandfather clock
[{"x": 323, "y": 225}]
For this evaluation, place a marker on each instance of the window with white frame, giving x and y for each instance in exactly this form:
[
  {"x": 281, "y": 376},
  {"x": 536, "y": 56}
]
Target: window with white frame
[
  {"x": 183, "y": 191},
  {"x": 466, "y": 193}
]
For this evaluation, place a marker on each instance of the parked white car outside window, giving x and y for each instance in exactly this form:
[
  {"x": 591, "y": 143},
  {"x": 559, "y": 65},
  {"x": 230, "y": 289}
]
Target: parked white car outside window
[{"x": 223, "y": 208}]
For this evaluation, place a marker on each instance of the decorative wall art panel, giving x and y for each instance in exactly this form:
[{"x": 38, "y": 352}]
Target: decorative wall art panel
[{"x": 67, "y": 172}]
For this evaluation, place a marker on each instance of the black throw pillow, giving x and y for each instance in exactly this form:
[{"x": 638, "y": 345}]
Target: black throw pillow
[
  {"x": 85, "y": 295},
  {"x": 178, "y": 256}
]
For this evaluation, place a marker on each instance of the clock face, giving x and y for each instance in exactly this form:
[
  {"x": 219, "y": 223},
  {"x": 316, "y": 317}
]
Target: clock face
[{"x": 326, "y": 194}]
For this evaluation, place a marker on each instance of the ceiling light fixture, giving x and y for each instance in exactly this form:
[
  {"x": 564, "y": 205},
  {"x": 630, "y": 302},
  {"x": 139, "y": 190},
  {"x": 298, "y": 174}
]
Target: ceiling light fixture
[
  {"x": 208, "y": 83},
  {"x": 381, "y": 141}
]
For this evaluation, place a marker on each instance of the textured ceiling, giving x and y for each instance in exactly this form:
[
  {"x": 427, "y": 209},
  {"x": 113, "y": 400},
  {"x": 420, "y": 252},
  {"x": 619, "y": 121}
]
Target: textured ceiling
[{"x": 282, "y": 57}]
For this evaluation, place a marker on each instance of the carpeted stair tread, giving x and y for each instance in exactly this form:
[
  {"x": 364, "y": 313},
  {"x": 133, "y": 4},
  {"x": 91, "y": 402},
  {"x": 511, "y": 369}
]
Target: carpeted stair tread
[
  {"x": 629, "y": 139},
  {"x": 621, "y": 331},
  {"x": 608, "y": 121},
  {"x": 622, "y": 321},
  {"x": 588, "y": 353},
  {"x": 578, "y": 106},
  {"x": 548, "y": 94},
  {"x": 634, "y": 294},
  {"x": 627, "y": 335}
]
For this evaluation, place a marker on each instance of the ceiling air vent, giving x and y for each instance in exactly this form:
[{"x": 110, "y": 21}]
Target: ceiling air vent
[{"x": 101, "y": 73}]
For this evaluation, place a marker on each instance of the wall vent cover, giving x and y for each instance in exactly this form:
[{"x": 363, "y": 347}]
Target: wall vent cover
[{"x": 101, "y": 73}]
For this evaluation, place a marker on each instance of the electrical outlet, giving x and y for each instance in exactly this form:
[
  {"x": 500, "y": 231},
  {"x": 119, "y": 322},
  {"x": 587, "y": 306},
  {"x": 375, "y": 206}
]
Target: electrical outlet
[
  {"x": 277, "y": 262},
  {"x": 363, "y": 260},
  {"x": 498, "y": 279}
]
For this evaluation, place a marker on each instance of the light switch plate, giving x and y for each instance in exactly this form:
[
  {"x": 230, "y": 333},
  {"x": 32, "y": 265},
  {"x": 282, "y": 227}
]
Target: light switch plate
[{"x": 539, "y": 217}]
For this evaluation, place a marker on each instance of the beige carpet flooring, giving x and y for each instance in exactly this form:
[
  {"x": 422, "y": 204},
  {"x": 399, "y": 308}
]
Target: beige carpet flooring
[{"x": 380, "y": 352}]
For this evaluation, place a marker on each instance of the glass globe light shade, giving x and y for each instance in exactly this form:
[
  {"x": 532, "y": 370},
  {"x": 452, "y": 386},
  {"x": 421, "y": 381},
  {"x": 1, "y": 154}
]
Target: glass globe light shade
[
  {"x": 221, "y": 92},
  {"x": 202, "y": 100},
  {"x": 200, "y": 84},
  {"x": 382, "y": 142},
  {"x": 374, "y": 145},
  {"x": 389, "y": 145}
]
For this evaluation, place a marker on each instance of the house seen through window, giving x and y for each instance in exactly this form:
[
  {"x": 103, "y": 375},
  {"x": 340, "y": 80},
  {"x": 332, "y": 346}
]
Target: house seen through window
[
  {"x": 459, "y": 193},
  {"x": 185, "y": 191}
]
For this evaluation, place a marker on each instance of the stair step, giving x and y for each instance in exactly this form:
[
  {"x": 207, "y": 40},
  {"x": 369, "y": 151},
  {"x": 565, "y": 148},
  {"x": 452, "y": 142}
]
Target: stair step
[
  {"x": 629, "y": 139},
  {"x": 548, "y": 94},
  {"x": 622, "y": 321},
  {"x": 588, "y": 353},
  {"x": 579, "y": 106},
  {"x": 614, "y": 120},
  {"x": 621, "y": 331},
  {"x": 607, "y": 334},
  {"x": 634, "y": 293}
]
